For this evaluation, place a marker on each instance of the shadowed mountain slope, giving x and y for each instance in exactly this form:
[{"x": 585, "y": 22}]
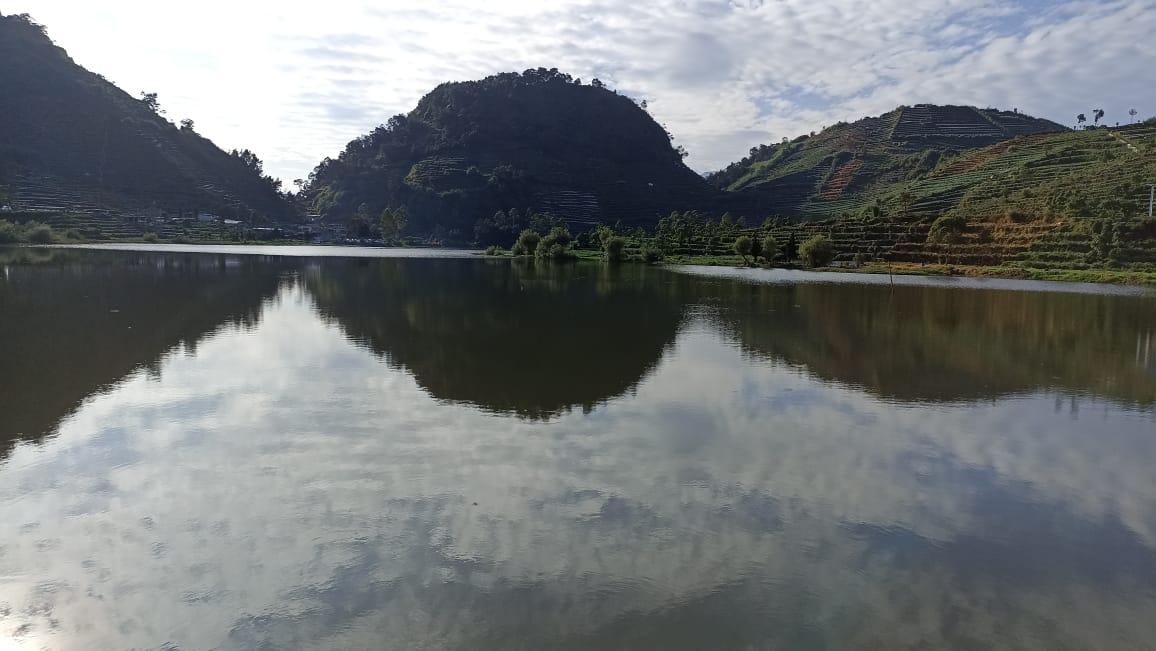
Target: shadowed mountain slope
[
  {"x": 72, "y": 142},
  {"x": 538, "y": 140}
]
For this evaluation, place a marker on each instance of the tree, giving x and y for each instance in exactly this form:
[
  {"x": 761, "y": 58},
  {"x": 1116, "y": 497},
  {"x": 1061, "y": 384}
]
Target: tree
[
  {"x": 249, "y": 159},
  {"x": 360, "y": 221},
  {"x": 682, "y": 152},
  {"x": 1132, "y": 113},
  {"x": 187, "y": 124},
  {"x": 527, "y": 243},
  {"x": 392, "y": 223},
  {"x": 905, "y": 199},
  {"x": 1081, "y": 118},
  {"x": 791, "y": 251},
  {"x": 555, "y": 245},
  {"x": 151, "y": 103},
  {"x": 743, "y": 246},
  {"x": 770, "y": 248},
  {"x": 1098, "y": 114},
  {"x": 615, "y": 246},
  {"x": 818, "y": 251}
]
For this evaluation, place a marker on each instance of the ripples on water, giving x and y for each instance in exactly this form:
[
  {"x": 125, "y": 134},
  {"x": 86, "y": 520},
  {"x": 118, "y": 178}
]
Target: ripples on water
[{"x": 237, "y": 451}]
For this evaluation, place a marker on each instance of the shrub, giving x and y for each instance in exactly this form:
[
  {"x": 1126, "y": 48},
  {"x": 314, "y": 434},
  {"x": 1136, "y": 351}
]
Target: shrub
[
  {"x": 947, "y": 229},
  {"x": 818, "y": 251},
  {"x": 73, "y": 234},
  {"x": 38, "y": 233},
  {"x": 651, "y": 255},
  {"x": 552, "y": 251},
  {"x": 493, "y": 249},
  {"x": 1019, "y": 216},
  {"x": 770, "y": 248},
  {"x": 9, "y": 233},
  {"x": 615, "y": 246},
  {"x": 527, "y": 243},
  {"x": 555, "y": 245},
  {"x": 149, "y": 237}
]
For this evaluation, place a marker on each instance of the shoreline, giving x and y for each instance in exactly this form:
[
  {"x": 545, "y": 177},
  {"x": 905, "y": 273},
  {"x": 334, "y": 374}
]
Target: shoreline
[{"x": 1091, "y": 276}]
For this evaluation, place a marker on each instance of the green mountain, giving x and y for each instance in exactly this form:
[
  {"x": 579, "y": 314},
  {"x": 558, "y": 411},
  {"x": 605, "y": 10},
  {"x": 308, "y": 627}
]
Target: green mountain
[
  {"x": 848, "y": 166},
  {"x": 539, "y": 140},
  {"x": 71, "y": 142}
]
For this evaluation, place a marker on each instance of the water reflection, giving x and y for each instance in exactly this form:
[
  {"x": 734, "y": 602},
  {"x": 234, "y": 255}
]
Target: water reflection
[
  {"x": 531, "y": 339},
  {"x": 75, "y": 324},
  {"x": 316, "y": 477},
  {"x": 912, "y": 343}
]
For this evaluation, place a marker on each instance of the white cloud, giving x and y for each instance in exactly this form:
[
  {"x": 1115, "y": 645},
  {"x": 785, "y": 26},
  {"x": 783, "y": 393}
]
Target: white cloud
[{"x": 295, "y": 83}]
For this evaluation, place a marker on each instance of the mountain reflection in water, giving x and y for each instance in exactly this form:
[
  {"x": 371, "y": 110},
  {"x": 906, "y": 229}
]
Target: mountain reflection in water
[{"x": 242, "y": 451}]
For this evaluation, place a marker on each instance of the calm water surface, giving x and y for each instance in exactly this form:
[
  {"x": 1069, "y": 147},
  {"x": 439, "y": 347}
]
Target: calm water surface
[{"x": 231, "y": 451}]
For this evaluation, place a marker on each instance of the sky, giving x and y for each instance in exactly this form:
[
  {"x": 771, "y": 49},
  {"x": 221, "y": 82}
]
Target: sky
[{"x": 295, "y": 81}]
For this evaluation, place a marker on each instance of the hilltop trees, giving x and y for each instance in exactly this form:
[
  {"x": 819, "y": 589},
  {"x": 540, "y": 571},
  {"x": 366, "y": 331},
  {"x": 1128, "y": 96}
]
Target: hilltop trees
[
  {"x": 533, "y": 140},
  {"x": 1081, "y": 118},
  {"x": 151, "y": 103}
]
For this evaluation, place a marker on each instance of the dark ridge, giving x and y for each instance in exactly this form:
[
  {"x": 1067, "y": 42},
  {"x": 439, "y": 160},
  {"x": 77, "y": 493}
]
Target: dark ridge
[{"x": 71, "y": 141}]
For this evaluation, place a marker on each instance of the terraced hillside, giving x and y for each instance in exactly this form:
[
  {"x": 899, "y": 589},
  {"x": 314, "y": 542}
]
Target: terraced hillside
[
  {"x": 1070, "y": 200},
  {"x": 538, "y": 141},
  {"x": 847, "y": 167},
  {"x": 71, "y": 142}
]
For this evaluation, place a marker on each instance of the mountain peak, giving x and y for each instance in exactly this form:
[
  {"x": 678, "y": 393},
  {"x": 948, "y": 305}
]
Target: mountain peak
[{"x": 538, "y": 140}]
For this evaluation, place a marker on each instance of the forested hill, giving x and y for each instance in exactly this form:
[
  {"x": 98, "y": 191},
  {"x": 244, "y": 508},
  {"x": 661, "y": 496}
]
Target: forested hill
[
  {"x": 848, "y": 166},
  {"x": 539, "y": 140},
  {"x": 72, "y": 142}
]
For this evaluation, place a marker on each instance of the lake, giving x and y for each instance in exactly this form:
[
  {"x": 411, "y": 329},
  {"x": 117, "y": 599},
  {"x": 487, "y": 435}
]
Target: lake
[{"x": 262, "y": 448}]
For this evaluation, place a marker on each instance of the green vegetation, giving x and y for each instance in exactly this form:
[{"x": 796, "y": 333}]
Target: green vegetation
[
  {"x": 947, "y": 229},
  {"x": 863, "y": 168},
  {"x": 770, "y": 248},
  {"x": 744, "y": 246},
  {"x": 537, "y": 142},
  {"x": 817, "y": 252},
  {"x": 555, "y": 245},
  {"x": 615, "y": 247},
  {"x": 31, "y": 232},
  {"x": 392, "y": 224},
  {"x": 484, "y": 162},
  {"x": 60, "y": 124},
  {"x": 527, "y": 243},
  {"x": 650, "y": 255}
]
